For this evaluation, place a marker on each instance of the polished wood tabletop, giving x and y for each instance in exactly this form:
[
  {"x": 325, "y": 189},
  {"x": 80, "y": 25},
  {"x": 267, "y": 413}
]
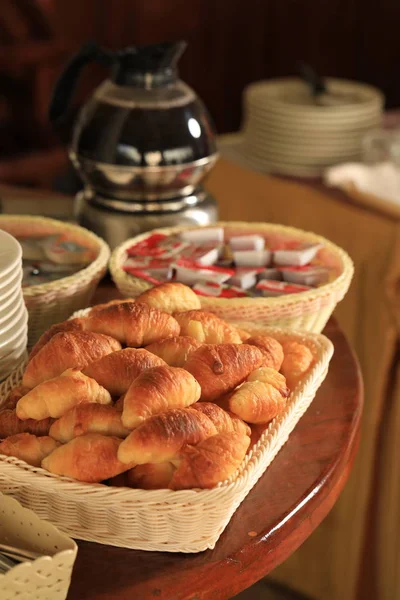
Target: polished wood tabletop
[{"x": 280, "y": 512}]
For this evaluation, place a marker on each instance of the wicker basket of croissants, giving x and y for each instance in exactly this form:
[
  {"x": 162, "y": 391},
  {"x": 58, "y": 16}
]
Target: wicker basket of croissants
[{"x": 144, "y": 423}]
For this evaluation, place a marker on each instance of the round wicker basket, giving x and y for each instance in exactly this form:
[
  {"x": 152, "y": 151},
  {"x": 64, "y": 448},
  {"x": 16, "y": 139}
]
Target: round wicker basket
[
  {"x": 308, "y": 311},
  {"x": 50, "y": 303}
]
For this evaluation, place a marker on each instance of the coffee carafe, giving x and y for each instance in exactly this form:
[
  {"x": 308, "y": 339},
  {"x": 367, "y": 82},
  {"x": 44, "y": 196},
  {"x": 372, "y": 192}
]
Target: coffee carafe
[{"x": 142, "y": 143}]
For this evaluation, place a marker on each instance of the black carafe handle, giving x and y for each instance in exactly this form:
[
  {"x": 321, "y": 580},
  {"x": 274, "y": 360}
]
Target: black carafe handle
[{"x": 66, "y": 83}]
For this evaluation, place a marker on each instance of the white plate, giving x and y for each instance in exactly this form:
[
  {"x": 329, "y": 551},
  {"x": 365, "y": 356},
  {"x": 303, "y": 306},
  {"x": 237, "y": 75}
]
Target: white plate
[
  {"x": 293, "y": 95},
  {"x": 7, "y": 328},
  {"x": 10, "y": 253},
  {"x": 16, "y": 336},
  {"x": 7, "y": 302},
  {"x": 9, "y": 314},
  {"x": 10, "y": 282}
]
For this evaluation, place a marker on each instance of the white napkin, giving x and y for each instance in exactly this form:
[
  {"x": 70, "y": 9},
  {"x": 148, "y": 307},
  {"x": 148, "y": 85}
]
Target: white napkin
[{"x": 382, "y": 180}]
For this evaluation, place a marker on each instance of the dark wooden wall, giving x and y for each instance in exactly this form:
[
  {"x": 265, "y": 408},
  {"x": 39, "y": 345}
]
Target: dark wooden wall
[
  {"x": 231, "y": 43},
  {"x": 235, "y": 42}
]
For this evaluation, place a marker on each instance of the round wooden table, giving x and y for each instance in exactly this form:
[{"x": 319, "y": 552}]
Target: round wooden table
[{"x": 281, "y": 511}]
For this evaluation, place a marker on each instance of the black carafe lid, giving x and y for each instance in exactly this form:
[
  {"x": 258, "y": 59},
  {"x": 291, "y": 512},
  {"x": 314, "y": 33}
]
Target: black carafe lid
[{"x": 146, "y": 67}]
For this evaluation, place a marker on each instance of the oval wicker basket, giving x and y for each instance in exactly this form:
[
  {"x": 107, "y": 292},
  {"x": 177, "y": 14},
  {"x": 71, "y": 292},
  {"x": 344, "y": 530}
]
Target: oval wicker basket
[
  {"x": 308, "y": 311},
  {"x": 165, "y": 520},
  {"x": 50, "y": 303}
]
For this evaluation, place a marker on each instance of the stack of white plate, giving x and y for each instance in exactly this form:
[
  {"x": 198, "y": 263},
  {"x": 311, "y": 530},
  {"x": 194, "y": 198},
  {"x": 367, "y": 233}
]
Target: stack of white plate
[
  {"x": 13, "y": 314},
  {"x": 286, "y": 131}
]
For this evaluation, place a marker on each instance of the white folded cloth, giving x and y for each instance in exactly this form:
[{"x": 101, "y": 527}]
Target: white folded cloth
[{"x": 381, "y": 180}]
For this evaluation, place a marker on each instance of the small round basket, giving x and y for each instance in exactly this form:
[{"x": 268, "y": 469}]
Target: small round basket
[
  {"x": 52, "y": 302},
  {"x": 308, "y": 311}
]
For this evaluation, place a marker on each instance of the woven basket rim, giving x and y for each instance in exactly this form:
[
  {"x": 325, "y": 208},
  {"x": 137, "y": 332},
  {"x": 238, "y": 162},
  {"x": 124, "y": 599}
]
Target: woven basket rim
[
  {"x": 86, "y": 273},
  {"x": 334, "y": 287},
  {"x": 322, "y": 349}
]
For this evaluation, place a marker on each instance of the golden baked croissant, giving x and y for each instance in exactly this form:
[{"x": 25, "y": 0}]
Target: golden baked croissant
[
  {"x": 224, "y": 421},
  {"x": 298, "y": 359},
  {"x": 69, "y": 325},
  {"x": 219, "y": 368},
  {"x": 110, "y": 303},
  {"x": 211, "y": 461},
  {"x": 256, "y": 402},
  {"x": 54, "y": 397},
  {"x": 175, "y": 350},
  {"x": 66, "y": 350},
  {"x": 28, "y": 447},
  {"x": 160, "y": 438},
  {"x": 13, "y": 396},
  {"x": 272, "y": 376},
  {"x": 156, "y": 390},
  {"x": 117, "y": 370},
  {"x": 270, "y": 347},
  {"x": 207, "y": 328},
  {"x": 88, "y": 418},
  {"x": 91, "y": 457},
  {"x": 170, "y": 297},
  {"x": 151, "y": 476},
  {"x": 132, "y": 324},
  {"x": 11, "y": 425}
]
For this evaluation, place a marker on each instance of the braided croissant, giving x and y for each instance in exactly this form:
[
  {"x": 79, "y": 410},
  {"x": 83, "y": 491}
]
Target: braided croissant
[
  {"x": 91, "y": 458},
  {"x": 211, "y": 461},
  {"x": 170, "y": 297},
  {"x": 270, "y": 347},
  {"x": 66, "y": 350},
  {"x": 28, "y": 447},
  {"x": 132, "y": 324},
  {"x": 174, "y": 351},
  {"x": 54, "y": 397},
  {"x": 88, "y": 418},
  {"x": 10, "y": 424},
  {"x": 117, "y": 370},
  {"x": 156, "y": 390},
  {"x": 160, "y": 438},
  {"x": 219, "y": 368},
  {"x": 297, "y": 361},
  {"x": 207, "y": 328},
  {"x": 256, "y": 402}
]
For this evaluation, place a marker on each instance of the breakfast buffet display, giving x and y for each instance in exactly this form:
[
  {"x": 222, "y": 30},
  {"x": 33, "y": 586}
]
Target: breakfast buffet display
[{"x": 149, "y": 393}]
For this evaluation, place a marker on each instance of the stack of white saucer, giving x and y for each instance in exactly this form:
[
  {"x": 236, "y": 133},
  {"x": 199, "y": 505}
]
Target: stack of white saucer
[
  {"x": 287, "y": 130},
  {"x": 13, "y": 314}
]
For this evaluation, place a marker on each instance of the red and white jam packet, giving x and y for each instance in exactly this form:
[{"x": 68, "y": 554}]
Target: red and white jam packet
[
  {"x": 279, "y": 288},
  {"x": 140, "y": 274},
  {"x": 158, "y": 245},
  {"x": 190, "y": 272},
  {"x": 247, "y": 242},
  {"x": 270, "y": 273},
  {"x": 155, "y": 267},
  {"x": 296, "y": 257},
  {"x": 307, "y": 275},
  {"x": 203, "y": 235},
  {"x": 207, "y": 254},
  {"x": 244, "y": 278},
  {"x": 216, "y": 290},
  {"x": 252, "y": 258}
]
